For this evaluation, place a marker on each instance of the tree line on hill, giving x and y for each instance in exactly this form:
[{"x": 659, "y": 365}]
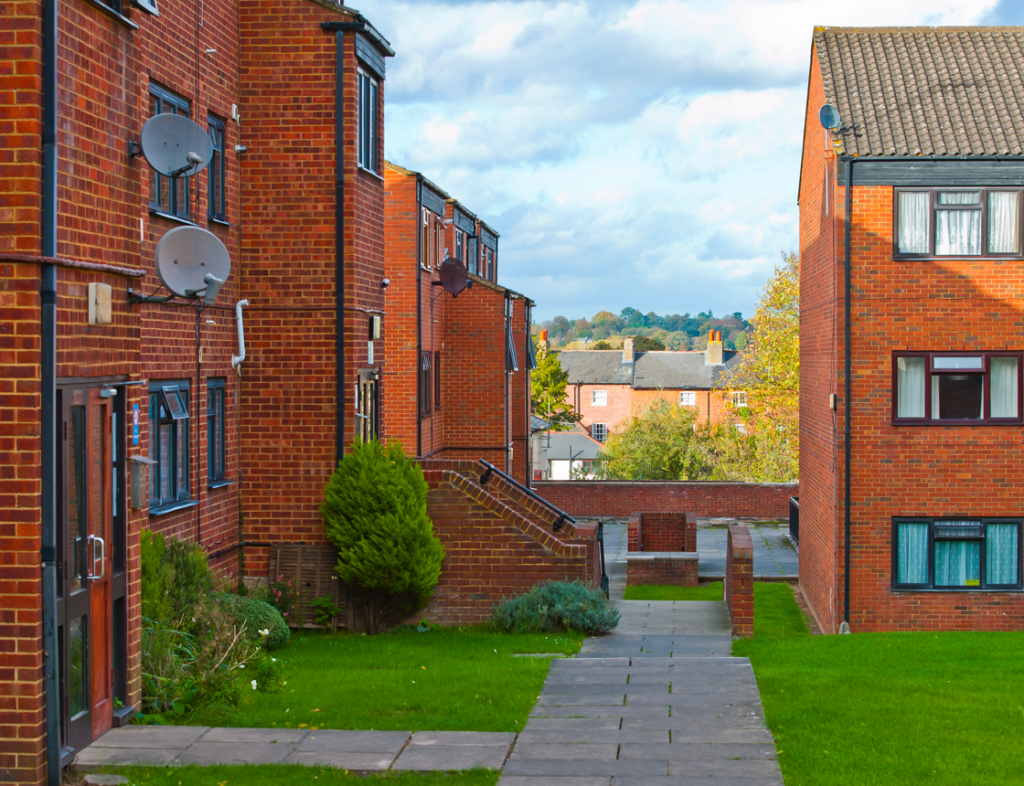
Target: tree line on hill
[{"x": 676, "y": 332}]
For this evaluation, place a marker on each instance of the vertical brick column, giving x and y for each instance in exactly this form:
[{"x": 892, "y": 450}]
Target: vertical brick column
[
  {"x": 633, "y": 541},
  {"x": 739, "y": 581}
]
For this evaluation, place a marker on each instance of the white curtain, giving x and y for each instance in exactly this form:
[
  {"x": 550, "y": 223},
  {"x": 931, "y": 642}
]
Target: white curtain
[
  {"x": 957, "y": 563},
  {"x": 1002, "y": 222},
  {"x": 1001, "y": 554},
  {"x": 913, "y": 222},
  {"x": 911, "y": 553},
  {"x": 910, "y": 387},
  {"x": 1002, "y": 379},
  {"x": 958, "y": 232}
]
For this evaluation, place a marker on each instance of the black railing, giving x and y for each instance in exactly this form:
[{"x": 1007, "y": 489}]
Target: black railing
[
  {"x": 563, "y": 517},
  {"x": 794, "y": 519},
  {"x": 605, "y": 585}
]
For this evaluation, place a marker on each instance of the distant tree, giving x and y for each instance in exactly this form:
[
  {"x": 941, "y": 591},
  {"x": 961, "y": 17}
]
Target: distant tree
[
  {"x": 740, "y": 341},
  {"x": 738, "y": 315},
  {"x": 647, "y": 344},
  {"x": 548, "y": 383},
  {"x": 652, "y": 320},
  {"x": 628, "y": 313},
  {"x": 600, "y": 345}
]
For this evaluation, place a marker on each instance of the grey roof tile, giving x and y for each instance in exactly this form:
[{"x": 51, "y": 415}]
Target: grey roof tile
[
  {"x": 929, "y": 91},
  {"x": 650, "y": 370}
]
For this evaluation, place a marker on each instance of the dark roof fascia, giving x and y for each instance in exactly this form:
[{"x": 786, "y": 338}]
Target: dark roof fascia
[
  {"x": 361, "y": 23},
  {"x": 842, "y": 160}
]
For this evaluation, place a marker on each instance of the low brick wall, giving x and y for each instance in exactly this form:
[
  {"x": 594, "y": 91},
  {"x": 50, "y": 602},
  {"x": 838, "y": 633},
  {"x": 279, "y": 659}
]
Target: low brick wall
[
  {"x": 620, "y": 498},
  {"x": 662, "y": 532},
  {"x": 666, "y": 568},
  {"x": 739, "y": 581}
]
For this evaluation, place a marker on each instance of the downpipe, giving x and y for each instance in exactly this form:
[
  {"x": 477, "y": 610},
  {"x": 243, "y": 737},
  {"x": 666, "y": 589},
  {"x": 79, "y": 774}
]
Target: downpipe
[{"x": 237, "y": 360}]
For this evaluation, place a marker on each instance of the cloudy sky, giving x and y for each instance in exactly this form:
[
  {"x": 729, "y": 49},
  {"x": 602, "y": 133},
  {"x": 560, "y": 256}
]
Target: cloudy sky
[{"x": 636, "y": 153}]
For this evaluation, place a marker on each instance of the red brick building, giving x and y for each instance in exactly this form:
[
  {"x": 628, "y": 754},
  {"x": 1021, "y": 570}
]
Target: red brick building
[
  {"x": 910, "y": 409},
  {"x": 458, "y": 383}
]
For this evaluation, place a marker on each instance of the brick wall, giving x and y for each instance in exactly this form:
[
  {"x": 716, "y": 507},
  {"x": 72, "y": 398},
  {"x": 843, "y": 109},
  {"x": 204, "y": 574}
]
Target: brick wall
[
  {"x": 662, "y": 532},
  {"x": 661, "y": 569},
  {"x": 739, "y": 581},
  {"x": 621, "y": 498}
]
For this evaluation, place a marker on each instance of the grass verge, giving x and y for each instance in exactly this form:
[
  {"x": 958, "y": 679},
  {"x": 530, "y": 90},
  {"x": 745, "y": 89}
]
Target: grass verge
[
  {"x": 461, "y": 679},
  {"x": 887, "y": 708},
  {"x": 296, "y": 775},
  {"x": 711, "y": 591}
]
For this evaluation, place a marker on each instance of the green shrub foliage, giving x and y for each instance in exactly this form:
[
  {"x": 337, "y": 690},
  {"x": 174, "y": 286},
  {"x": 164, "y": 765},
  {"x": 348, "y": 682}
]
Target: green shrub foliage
[
  {"x": 556, "y": 606},
  {"x": 257, "y": 616},
  {"x": 375, "y": 512}
]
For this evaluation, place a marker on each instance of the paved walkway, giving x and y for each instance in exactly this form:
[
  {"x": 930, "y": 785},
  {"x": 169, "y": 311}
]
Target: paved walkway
[{"x": 658, "y": 701}]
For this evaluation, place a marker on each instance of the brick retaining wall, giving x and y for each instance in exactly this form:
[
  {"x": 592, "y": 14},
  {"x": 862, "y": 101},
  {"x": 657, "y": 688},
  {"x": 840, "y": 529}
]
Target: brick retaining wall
[
  {"x": 662, "y": 532},
  {"x": 666, "y": 568},
  {"x": 739, "y": 581}
]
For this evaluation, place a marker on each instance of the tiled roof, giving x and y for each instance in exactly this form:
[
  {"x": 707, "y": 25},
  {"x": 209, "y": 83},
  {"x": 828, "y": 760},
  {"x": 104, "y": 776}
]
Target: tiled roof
[
  {"x": 575, "y": 445},
  {"x": 650, "y": 370},
  {"x": 929, "y": 91}
]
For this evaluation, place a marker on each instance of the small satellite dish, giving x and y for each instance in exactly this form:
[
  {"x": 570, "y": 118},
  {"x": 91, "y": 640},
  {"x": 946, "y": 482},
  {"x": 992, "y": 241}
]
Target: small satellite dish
[
  {"x": 174, "y": 145},
  {"x": 454, "y": 278},
  {"x": 829, "y": 117},
  {"x": 190, "y": 260}
]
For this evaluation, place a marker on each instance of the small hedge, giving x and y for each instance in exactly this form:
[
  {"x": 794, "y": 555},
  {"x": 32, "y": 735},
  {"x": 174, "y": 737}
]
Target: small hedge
[
  {"x": 257, "y": 616},
  {"x": 556, "y": 606}
]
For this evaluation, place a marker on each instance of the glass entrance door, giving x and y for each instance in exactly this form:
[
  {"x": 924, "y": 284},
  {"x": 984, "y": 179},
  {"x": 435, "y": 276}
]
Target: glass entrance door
[
  {"x": 367, "y": 406},
  {"x": 84, "y": 588}
]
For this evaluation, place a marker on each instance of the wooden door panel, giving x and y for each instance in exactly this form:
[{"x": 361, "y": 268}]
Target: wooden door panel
[{"x": 100, "y": 640}]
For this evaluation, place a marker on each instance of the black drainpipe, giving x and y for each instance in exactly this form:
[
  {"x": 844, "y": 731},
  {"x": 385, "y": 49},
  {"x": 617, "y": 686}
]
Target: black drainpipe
[
  {"x": 846, "y": 403},
  {"x": 48, "y": 395}
]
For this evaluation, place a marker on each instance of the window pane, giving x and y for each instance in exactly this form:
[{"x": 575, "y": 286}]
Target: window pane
[
  {"x": 181, "y": 459},
  {"x": 911, "y": 553},
  {"x": 166, "y": 461},
  {"x": 1002, "y": 382},
  {"x": 1001, "y": 554},
  {"x": 218, "y": 433},
  {"x": 78, "y": 685},
  {"x": 959, "y": 197},
  {"x": 1002, "y": 223},
  {"x": 599, "y": 431},
  {"x": 154, "y": 471},
  {"x": 75, "y": 488},
  {"x": 969, "y": 363},
  {"x": 957, "y": 563},
  {"x": 956, "y": 396},
  {"x": 957, "y": 232},
  {"x": 913, "y": 222},
  {"x": 910, "y": 387}
]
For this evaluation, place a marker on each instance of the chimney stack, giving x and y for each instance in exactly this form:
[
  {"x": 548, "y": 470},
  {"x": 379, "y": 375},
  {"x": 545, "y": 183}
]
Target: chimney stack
[
  {"x": 543, "y": 343},
  {"x": 627, "y": 351},
  {"x": 713, "y": 355}
]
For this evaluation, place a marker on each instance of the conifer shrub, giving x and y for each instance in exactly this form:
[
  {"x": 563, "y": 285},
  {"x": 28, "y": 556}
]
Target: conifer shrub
[
  {"x": 375, "y": 512},
  {"x": 556, "y": 606},
  {"x": 257, "y": 616}
]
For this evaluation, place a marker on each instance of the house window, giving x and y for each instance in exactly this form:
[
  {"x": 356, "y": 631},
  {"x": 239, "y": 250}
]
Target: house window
[
  {"x": 688, "y": 398},
  {"x": 957, "y": 387},
  {"x": 490, "y": 264},
  {"x": 599, "y": 431},
  {"x": 215, "y": 430},
  {"x": 167, "y": 195},
  {"x": 437, "y": 380},
  {"x": 368, "y": 133},
  {"x": 458, "y": 245},
  {"x": 425, "y": 384},
  {"x": 168, "y": 444},
  {"x": 218, "y": 201},
  {"x": 956, "y": 554},
  {"x": 738, "y": 398},
  {"x": 599, "y": 398},
  {"x": 958, "y": 223}
]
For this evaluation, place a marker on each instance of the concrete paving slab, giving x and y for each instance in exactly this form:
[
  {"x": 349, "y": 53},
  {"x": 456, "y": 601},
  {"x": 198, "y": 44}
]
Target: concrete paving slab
[
  {"x": 567, "y": 751},
  {"x": 760, "y": 771},
  {"x": 583, "y": 767},
  {"x": 359, "y": 762},
  {"x": 616, "y": 736},
  {"x": 571, "y": 725},
  {"x": 92, "y": 758},
  {"x": 682, "y": 780},
  {"x": 565, "y": 780},
  {"x": 580, "y": 701},
  {"x": 150, "y": 737},
  {"x": 206, "y": 753},
  {"x": 451, "y": 757},
  {"x": 463, "y": 738},
  {"x": 716, "y": 751},
  {"x": 752, "y": 734},
  {"x": 277, "y": 736},
  {"x": 335, "y": 741}
]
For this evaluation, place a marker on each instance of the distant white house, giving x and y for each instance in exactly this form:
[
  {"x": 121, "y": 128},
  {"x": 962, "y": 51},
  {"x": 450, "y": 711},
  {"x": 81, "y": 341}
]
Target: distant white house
[{"x": 564, "y": 455}]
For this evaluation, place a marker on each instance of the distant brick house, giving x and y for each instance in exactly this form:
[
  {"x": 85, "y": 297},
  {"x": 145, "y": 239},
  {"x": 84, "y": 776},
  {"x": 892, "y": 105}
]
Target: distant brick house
[
  {"x": 910, "y": 401},
  {"x": 607, "y": 387}
]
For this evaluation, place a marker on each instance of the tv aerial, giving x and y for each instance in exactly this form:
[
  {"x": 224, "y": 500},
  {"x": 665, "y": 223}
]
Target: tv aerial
[
  {"x": 191, "y": 262},
  {"x": 174, "y": 145}
]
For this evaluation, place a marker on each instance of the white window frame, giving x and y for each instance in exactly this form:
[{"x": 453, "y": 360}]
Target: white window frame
[
  {"x": 369, "y": 135},
  {"x": 687, "y": 398},
  {"x": 602, "y": 428},
  {"x": 738, "y": 398},
  {"x": 599, "y": 398}
]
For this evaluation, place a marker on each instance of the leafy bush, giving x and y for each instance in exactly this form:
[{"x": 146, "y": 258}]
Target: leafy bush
[
  {"x": 375, "y": 512},
  {"x": 255, "y": 616},
  {"x": 556, "y": 606},
  {"x": 175, "y": 577},
  {"x": 324, "y": 610}
]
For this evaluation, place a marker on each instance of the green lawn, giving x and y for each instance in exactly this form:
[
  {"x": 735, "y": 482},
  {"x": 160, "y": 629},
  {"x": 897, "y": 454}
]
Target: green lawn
[
  {"x": 296, "y": 775},
  {"x": 448, "y": 679},
  {"x": 887, "y": 708},
  {"x": 712, "y": 591}
]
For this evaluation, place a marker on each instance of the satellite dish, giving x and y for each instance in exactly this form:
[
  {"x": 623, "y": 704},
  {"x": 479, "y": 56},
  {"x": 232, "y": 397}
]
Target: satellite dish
[
  {"x": 174, "y": 145},
  {"x": 454, "y": 278},
  {"x": 829, "y": 117},
  {"x": 190, "y": 260}
]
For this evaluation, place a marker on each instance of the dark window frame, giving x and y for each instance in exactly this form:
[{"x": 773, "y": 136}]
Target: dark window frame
[
  {"x": 161, "y": 394},
  {"x": 931, "y": 521},
  {"x": 932, "y": 203},
  {"x": 986, "y": 394},
  {"x": 216, "y": 388},
  {"x": 425, "y": 384},
  {"x": 217, "y": 208},
  {"x": 368, "y": 94},
  {"x": 178, "y": 205}
]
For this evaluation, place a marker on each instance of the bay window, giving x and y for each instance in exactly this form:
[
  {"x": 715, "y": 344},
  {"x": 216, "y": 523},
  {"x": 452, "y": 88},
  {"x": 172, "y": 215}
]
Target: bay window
[
  {"x": 958, "y": 223},
  {"x": 957, "y": 387},
  {"x": 956, "y": 554}
]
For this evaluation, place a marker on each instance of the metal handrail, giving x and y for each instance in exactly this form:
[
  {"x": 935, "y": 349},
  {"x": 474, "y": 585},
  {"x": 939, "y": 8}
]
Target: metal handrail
[
  {"x": 562, "y": 515},
  {"x": 605, "y": 584}
]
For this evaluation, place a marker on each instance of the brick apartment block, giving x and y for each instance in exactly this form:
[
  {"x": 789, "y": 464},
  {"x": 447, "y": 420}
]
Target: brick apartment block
[{"x": 910, "y": 439}]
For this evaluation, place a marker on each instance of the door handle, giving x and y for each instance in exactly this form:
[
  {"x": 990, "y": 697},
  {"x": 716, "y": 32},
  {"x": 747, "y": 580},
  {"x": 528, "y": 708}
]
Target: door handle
[{"x": 94, "y": 540}]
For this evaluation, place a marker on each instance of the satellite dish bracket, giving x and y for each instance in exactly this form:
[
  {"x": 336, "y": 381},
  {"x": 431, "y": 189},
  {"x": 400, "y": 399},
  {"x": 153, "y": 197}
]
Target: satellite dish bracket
[{"x": 138, "y": 297}]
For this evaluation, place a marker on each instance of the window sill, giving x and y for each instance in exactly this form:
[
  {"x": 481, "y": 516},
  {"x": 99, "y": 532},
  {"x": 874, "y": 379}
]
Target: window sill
[
  {"x": 219, "y": 484},
  {"x": 117, "y": 16},
  {"x": 221, "y": 221},
  {"x": 962, "y": 257},
  {"x": 371, "y": 173},
  {"x": 957, "y": 423},
  {"x": 171, "y": 217},
  {"x": 173, "y": 507},
  {"x": 947, "y": 590}
]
